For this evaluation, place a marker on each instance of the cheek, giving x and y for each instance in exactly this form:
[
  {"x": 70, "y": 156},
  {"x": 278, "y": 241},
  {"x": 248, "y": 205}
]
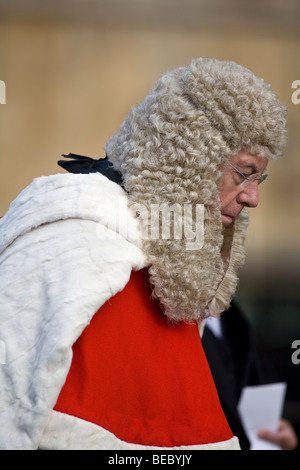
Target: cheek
[
  {"x": 227, "y": 191},
  {"x": 227, "y": 197}
]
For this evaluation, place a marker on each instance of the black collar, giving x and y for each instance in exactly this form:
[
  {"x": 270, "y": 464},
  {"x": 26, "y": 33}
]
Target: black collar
[{"x": 82, "y": 164}]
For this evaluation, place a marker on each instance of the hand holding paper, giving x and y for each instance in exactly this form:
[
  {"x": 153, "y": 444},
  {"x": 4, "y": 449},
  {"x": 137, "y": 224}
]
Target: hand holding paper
[{"x": 260, "y": 408}]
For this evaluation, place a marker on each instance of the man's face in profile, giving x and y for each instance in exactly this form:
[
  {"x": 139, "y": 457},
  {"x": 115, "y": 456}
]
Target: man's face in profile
[{"x": 239, "y": 187}]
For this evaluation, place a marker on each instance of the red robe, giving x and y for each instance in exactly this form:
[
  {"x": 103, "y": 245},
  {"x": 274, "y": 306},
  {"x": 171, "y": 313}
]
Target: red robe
[{"x": 142, "y": 378}]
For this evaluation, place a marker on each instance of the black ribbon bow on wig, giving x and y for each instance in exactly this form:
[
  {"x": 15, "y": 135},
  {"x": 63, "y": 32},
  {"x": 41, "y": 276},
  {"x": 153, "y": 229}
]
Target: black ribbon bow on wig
[{"x": 82, "y": 164}]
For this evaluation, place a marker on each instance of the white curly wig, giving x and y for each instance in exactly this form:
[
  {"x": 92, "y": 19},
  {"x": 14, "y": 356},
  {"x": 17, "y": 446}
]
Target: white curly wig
[{"x": 173, "y": 148}]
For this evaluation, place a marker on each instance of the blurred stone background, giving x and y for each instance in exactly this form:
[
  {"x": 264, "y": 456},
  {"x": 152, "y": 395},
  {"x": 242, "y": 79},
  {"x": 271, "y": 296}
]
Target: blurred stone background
[{"x": 73, "y": 69}]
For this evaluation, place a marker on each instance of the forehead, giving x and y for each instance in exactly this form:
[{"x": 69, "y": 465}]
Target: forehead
[{"x": 244, "y": 159}]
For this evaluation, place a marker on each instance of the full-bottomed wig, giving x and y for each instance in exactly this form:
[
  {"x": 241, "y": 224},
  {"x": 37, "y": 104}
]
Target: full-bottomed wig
[{"x": 173, "y": 148}]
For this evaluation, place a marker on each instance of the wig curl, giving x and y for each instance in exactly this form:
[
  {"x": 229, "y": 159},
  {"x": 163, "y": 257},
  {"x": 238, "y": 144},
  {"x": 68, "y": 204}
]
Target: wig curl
[{"x": 173, "y": 148}]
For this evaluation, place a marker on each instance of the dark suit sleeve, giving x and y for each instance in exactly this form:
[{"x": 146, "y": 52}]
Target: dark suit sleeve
[{"x": 234, "y": 364}]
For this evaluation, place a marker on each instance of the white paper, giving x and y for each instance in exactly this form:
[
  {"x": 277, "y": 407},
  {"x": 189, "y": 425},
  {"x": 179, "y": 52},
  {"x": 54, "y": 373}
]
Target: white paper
[{"x": 260, "y": 407}]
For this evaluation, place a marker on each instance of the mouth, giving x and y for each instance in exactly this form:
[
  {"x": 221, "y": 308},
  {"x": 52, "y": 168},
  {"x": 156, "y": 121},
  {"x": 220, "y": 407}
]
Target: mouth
[{"x": 227, "y": 219}]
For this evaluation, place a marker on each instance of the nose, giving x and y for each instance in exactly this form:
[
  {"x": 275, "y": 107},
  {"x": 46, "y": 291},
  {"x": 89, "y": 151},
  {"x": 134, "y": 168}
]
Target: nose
[{"x": 249, "y": 195}]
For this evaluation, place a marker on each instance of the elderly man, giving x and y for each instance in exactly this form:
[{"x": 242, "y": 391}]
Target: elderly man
[{"x": 102, "y": 322}]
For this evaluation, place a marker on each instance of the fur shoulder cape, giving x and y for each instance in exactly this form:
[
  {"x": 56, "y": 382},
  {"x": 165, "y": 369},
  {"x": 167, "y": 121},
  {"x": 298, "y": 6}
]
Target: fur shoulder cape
[{"x": 61, "y": 258}]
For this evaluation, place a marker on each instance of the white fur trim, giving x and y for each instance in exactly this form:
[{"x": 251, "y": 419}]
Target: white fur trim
[
  {"x": 65, "y": 432},
  {"x": 61, "y": 257}
]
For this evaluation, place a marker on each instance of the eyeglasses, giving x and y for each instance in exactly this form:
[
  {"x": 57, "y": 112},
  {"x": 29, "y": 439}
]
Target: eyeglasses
[{"x": 249, "y": 179}]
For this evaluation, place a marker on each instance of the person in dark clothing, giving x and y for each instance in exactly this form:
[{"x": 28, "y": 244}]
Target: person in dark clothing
[{"x": 234, "y": 364}]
